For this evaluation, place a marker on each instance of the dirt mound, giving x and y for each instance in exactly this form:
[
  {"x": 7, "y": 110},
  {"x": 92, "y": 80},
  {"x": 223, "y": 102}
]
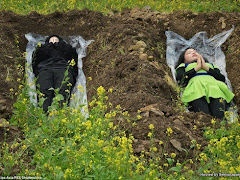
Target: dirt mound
[{"x": 127, "y": 55}]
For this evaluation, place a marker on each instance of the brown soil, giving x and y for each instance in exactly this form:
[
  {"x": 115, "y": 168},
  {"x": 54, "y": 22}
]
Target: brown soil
[{"x": 113, "y": 62}]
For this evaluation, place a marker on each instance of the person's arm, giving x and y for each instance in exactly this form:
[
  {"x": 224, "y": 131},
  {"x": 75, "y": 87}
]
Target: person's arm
[
  {"x": 183, "y": 77},
  {"x": 40, "y": 54},
  {"x": 36, "y": 58},
  {"x": 71, "y": 53},
  {"x": 216, "y": 74}
]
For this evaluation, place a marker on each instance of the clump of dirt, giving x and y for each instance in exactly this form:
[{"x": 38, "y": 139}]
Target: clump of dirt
[{"x": 127, "y": 55}]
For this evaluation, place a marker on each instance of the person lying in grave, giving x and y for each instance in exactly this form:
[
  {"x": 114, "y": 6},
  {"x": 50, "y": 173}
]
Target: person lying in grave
[
  {"x": 50, "y": 62},
  {"x": 204, "y": 86}
]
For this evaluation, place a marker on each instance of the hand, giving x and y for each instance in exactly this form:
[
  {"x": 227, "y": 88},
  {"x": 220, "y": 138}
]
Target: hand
[
  {"x": 204, "y": 66},
  {"x": 199, "y": 63}
]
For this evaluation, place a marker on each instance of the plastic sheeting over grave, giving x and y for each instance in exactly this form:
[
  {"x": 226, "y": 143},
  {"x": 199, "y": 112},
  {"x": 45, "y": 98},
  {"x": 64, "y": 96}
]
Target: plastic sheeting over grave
[
  {"x": 79, "y": 100},
  {"x": 208, "y": 48}
]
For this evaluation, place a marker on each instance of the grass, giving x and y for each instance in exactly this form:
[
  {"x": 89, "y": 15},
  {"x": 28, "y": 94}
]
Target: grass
[{"x": 48, "y": 6}]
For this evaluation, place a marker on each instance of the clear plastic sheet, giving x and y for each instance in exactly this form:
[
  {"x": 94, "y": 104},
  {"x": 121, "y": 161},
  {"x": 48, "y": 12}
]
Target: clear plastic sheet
[
  {"x": 208, "y": 48},
  {"x": 79, "y": 100}
]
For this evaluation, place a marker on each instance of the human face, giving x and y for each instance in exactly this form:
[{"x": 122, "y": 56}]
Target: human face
[
  {"x": 53, "y": 40},
  {"x": 190, "y": 56}
]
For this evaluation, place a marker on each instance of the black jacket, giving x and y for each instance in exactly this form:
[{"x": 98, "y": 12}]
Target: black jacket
[{"x": 54, "y": 56}]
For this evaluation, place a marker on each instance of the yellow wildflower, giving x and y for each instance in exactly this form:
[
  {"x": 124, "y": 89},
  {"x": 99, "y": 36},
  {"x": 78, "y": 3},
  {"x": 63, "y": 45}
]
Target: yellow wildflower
[
  {"x": 169, "y": 131},
  {"x": 149, "y": 134},
  {"x": 100, "y": 90},
  {"x": 213, "y": 121},
  {"x": 238, "y": 144},
  {"x": 110, "y": 90},
  {"x": 151, "y": 126},
  {"x": 118, "y": 107},
  {"x": 64, "y": 120},
  {"x": 165, "y": 164},
  {"x": 198, "y": 146},
  {"x": 24, "y": 54},
  {"x": 72, "y": 62},
  {"x": 178, "y": 164},
  {"x": 139, "y": 117},
  {"x": 154, "y": 149},
  {"x": 79, "y": 87},
  {"x": 151, "y": 172},
  {"x": 110, "y": 124},
  {"x": 203, "y": 157},
  {"x": 173, "y": 155}
]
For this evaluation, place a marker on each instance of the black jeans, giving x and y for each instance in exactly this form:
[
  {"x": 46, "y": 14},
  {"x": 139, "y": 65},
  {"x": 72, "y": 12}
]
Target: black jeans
[
  {"x": 52, "y": 78},
  {"x": 214, "y": 108}
]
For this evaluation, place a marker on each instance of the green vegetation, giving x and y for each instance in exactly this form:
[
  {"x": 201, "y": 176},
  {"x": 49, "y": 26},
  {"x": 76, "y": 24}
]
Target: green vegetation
[
  {"x": 66, "y": 145},
  {"x": 48, "y": 6}
]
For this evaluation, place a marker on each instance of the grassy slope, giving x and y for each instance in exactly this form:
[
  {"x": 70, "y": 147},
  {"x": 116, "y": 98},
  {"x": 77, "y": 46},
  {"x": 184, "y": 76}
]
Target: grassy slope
[{"x": 46, "y": 7}]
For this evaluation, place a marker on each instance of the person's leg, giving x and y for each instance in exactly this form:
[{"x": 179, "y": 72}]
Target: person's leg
[
  {"x": 65, "y": 89},
  {"x": 44, "y": 82},
  {"x": 217, "y": 108},
  {"x": 199, "y": 105}
]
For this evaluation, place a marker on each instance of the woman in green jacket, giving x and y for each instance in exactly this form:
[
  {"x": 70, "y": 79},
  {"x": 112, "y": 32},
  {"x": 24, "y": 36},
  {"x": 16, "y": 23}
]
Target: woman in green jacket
[{"x": 204, "y": 86}]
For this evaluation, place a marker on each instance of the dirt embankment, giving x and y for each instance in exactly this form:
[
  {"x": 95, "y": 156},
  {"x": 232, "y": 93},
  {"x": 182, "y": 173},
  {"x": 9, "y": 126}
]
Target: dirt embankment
[{"x": 128, "y": 55}]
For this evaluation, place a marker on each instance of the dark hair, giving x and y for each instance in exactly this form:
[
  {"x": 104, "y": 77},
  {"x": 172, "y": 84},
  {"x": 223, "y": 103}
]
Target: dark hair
[
  {"x": 49, "y": 37},
  {"x": 181, "y": 57}
]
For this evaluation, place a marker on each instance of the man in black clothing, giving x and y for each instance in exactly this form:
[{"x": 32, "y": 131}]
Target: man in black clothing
[{"x": 50, "y": 62}]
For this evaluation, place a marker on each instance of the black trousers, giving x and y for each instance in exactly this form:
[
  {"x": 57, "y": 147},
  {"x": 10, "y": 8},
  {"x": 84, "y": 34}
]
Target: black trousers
[
  {"x": 214, "y": 108},
  {"x": 52, "y": 78}
]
